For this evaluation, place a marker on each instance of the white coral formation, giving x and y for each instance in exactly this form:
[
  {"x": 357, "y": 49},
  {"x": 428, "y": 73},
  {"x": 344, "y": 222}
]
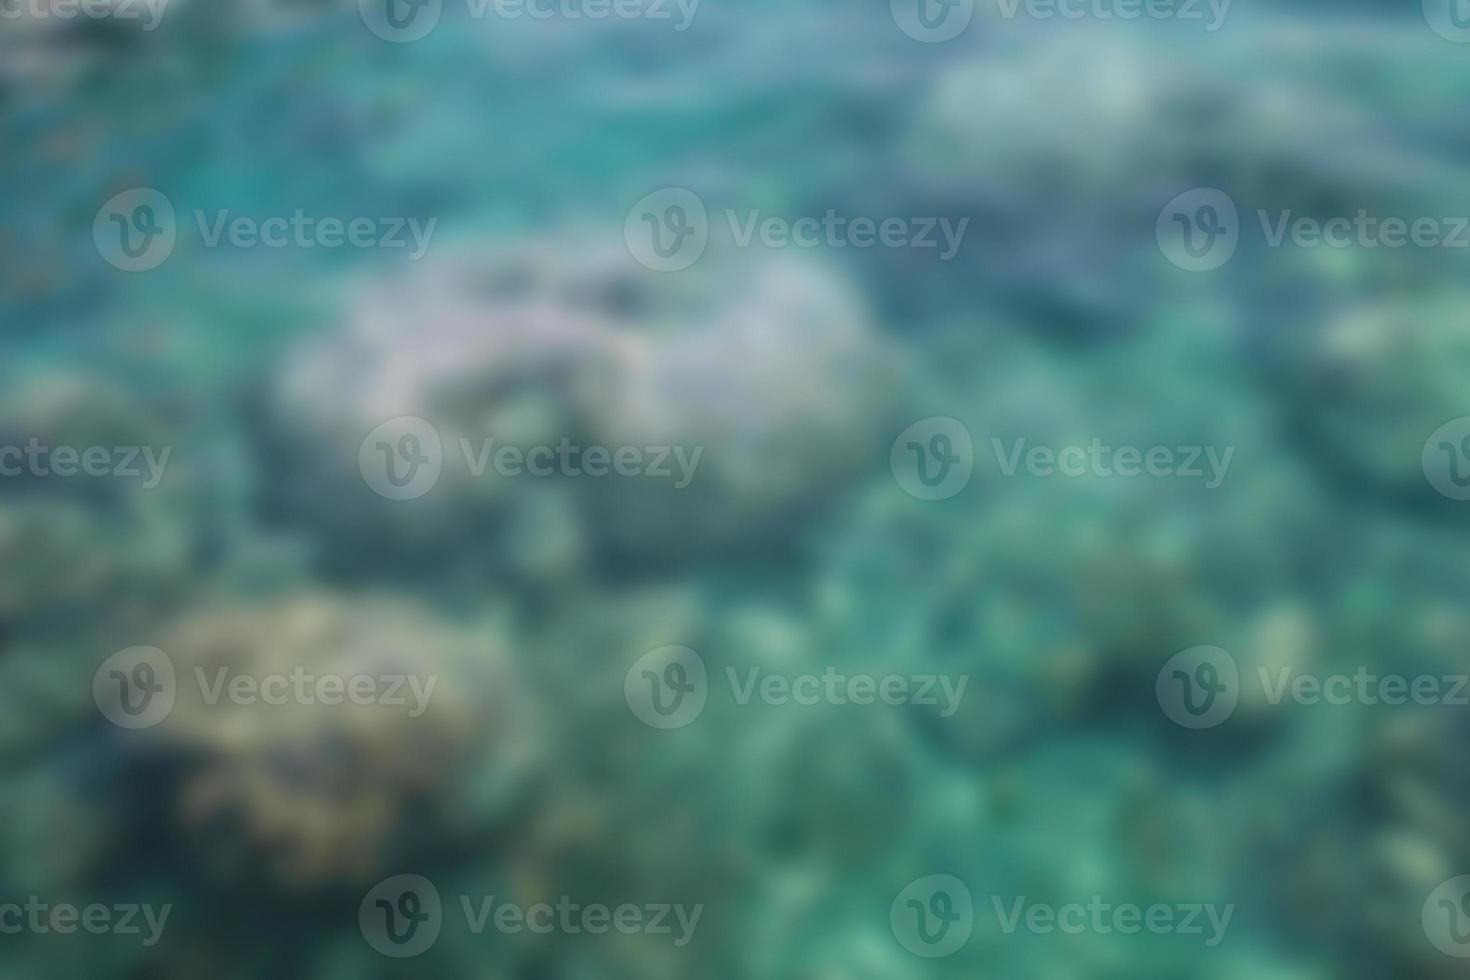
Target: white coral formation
[
  {"x": 1381, "y": 377},
  {"x": 1104, "y": 120},
  {"x": 769, "y": 371}
]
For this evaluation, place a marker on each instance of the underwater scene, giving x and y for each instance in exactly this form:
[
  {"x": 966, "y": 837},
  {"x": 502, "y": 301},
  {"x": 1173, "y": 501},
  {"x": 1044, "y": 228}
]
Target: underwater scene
[{"x": 734, "y": 489}]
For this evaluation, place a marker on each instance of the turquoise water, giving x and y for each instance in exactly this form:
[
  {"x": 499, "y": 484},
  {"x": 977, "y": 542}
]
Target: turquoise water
[{"x": 643, "y": 693}]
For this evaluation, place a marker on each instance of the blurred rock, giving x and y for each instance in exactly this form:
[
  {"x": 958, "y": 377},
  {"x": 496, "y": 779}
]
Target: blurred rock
[
  {"x": 767, "y": 370},
  {"x": 310, "y": 793}
]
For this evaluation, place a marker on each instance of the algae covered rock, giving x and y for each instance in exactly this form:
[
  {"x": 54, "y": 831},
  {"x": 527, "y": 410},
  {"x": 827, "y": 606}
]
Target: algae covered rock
[
  {"x": 320, "y": 737},
  {"x": 90, "y": 521}
]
